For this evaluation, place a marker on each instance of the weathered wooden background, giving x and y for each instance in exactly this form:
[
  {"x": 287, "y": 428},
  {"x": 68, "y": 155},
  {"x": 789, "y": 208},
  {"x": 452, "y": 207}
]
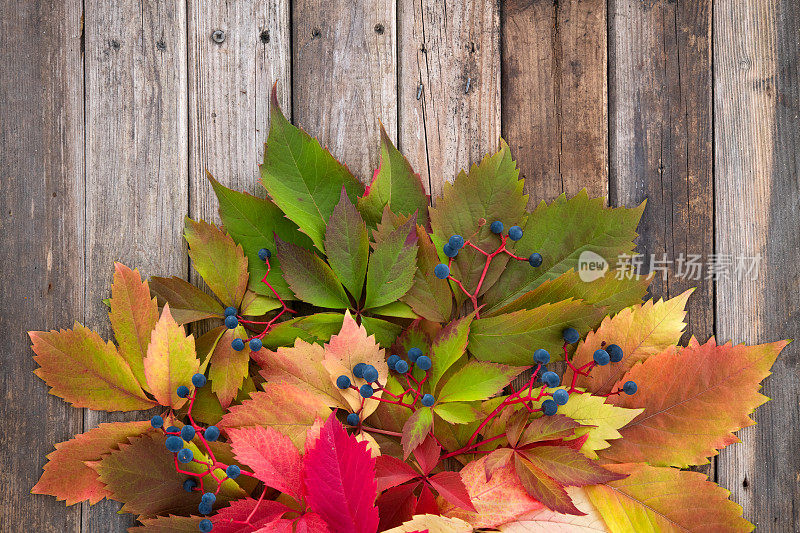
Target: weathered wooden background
[{"x": 111, "y": 111}]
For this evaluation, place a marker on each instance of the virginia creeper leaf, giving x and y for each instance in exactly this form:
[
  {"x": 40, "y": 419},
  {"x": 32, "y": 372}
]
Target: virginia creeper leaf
[
  {"x": 187, "y": 303},
  {"x": 416, "y": 429},
  {"x": 567, "y": 466},
  {"x": 303, "y": 179},
  {"x": 548, "y": 428},
  {"x": 450, "y": 487},
  {"x": 133, "y": 316},
  {"x": 432, "y": 524},
  {"x": 448, "y": 346},
  {"x": 396, "y": 505},
  {"x": 427, "y": 454},
  {"x": 391, "y": 266},
  {"x": 254, "y": 304},
  {"x": 543, "y": 487},
  {"x": 457, "y": 412},
  {"x": 228, "y": 367},
  {"x": 391, "y": 472},
  {"x": 168, "y": 524},
  {"x": 218, "y": 259},
  {"x": 347, "y": 245},
  {"x": 234, "y": 518},
  {"x": 396, "y": 309},
  {"x": 546, "y": 521},
  {"x": 428, "y": 296},
  {"x": 271, "y": 456},
  {"x": 385, "y": 332},
  {"x": 477, "y": 380},
  {"x": 309, "y": 277},
  {"x": 86, "y": 371}
]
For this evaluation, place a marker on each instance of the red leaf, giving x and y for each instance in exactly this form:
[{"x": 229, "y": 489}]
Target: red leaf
[
  {"x": 427, "y": 454},
  {"x": 396, "y": 505},
  {"x": 451, "y": 487},
  {"x": 340, "y": 480},
  {"x": 426, "y": 503},
  {"x": 544, "y": 488},
  {"x": 416, "y": 429},
  {"x": 271, "y": 455},
  {"x": 268, "y": 511},
  {"x": 391, "y": 472},
  {"x": 311, "y": 523}
]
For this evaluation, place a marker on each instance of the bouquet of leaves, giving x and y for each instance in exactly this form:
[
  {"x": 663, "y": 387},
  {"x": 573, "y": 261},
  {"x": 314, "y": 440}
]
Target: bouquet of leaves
[{"x": 371, "y": 363}]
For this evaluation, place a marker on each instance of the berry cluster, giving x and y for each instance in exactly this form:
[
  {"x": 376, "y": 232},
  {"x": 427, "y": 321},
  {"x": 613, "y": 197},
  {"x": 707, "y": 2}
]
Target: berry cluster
[
  {"x": 178, "y": 441},
  {"x": 456, "y": 242},
  {"x": 606, "y": 354},
  {"x": 233, "y": 319}
]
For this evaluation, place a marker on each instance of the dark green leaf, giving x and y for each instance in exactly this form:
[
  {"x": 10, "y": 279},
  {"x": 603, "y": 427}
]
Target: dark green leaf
[
  {"x": 186, "y": 302},
  {"x": 385, "y": 332},
  {"x": 429, "y": 296},
  {"x": 391, "y": 266},
  {"x": 309, "y": 277},
  {"x": 347, "y": 245}
]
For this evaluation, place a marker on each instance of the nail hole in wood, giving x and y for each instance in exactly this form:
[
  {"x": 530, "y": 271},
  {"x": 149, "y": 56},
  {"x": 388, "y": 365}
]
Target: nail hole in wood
[
  {"x": 218, "y": 36},
  {"x": 379, "y": 29},
  {"x": 161, "y": 45},
  {"x": 264, "y": 36},
  {"x": 316, "y": 32}
]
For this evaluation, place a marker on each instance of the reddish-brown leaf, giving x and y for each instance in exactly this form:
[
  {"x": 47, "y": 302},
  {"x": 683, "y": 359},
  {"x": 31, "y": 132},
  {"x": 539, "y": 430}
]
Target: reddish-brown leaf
[
  {"x": 544, "y": 488},
  {"x": 187, "y": 302}
]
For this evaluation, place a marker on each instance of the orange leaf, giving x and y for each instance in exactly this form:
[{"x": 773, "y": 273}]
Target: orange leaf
[{"x": 228, "y": 367}]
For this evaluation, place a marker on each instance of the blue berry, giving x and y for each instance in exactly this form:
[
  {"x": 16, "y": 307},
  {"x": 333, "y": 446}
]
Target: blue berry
[
  {"x": 255, "y": 345},
  {"x": 549, "y": 407},
  {"x": 424, "y": 362},
  {"x": 183, "y": 391},
  {"x": 358, "y": 370},
  {"x": 551, "y": 379},
  {"x": 541, "y": 356},
  {"x": 428, "y": 400},
  {"x": 343, "y": 382},
  {"x": 187, "y": 433},
  {"x": 370, "y": 374},
  {"x": 630, "y": 387},
  {"x": 401, "y": 367},
  {"x": 185, "y": 455},
  {"x": 394, "y": 358},
  {"x": 264, "y": 254},
  {"x": 156, "y": 421},
  {"x": 173, "y": 429},
  {"x": 413, "y": 354},
  {"x": 441, "y": 271},
  {"x": 238, "y": 345},
  {"x": 601, "y": 357},
  {"x": 231, "y": 322},
  {"x": 208, "y": 498},
  {"x": 449, "y": 251},
  {"x": 496, "y": 227},
  {"x": 211, "y": 433},
  {"x": 366, "y": 391},
  {"x": 352, "y": 419},
  {"x": 561, "y": 397},
  {"x": 515, "y": 233},
  {"x": 198, "y": 380},
  {"x": 205, "y": 508},
  {"x": 571, "y": 335},
  {"x": 535, "y": 259},
  {"x": 456, "y": 242},
  {"x": 189, "y": 485},
  {"x": 614, "y": 353},
  {"x": 205, "y": 525},
  {"x": 174, "y": 443},
  {"x": 231, "y": 311},
  {"x": 233, "y": 471}
]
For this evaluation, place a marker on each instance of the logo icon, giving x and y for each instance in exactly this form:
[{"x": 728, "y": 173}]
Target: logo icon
[{"x": 591, "y": 266}]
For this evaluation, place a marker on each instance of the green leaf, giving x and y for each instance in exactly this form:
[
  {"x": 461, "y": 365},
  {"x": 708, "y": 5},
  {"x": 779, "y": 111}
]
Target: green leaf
[
  {"x": 229, "y": 367},
  {"x": 429, "y": 297},
  {"x": 511, "y": 338},
  {"x": 133, "y": 316},
  {"x": 254, "y": 304},
  {"x": 448, "y": 346},
  {"x": 302, "y": 178},
  {"x": 218, "y": 259},
  {"x": 457, "y": 412},
  {"x": 560, "y": 232},
  {"x": 385, "y": 332},
  {"x": 253, "y": 223},
  {"x": 391, "y": 266},
  {"x": 416, "y": 429},
  {"x": 86, "y": 371},
  {"x": 168, "y": 524},
  {"x": 186, "y": 302},
  {"x": 394, "y": 185},
  {"x": 490, "y": 191},
  {"x": 347, "y": 245},
  {"x": 396, "y": 309},
  {"x": 321, "y": 325},
  {"x": 310, "y": 278},
  {"x": 477, "y": 380},
  {"x": 204, "y": 345}
]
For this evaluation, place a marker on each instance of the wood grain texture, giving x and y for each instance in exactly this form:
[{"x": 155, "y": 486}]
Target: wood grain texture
[
  {"x": 450, "y": 58},
  {"x": 229, "y": 86},
  {"x": 41, "y": 256},
  {"x": 554, "y": 95},
  {"x": 344, "y": 76},
  {"x": 757, "y": 186},
  {"x": 136, "y": 161}
]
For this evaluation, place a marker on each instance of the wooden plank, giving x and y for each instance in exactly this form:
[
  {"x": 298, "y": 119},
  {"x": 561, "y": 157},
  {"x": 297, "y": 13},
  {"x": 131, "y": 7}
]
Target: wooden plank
[
  {"x": 448, "y": 85},
  {"x": 41, "y": 250},
  {"x": 229, "y": 87},
  {"x": 757, "y": 186},
  {"x": 554, "y": 95},
  {"x": 137, "y": 161},
  {"x": 344, "y": 76}
]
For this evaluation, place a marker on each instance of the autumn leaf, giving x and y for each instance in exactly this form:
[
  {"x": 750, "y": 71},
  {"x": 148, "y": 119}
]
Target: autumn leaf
[
  {"x": 665, "y": 499},
  {"x": 258, "y": 513},
  {"x": 450, "y": 486},
  {"x": 416, "y": 429},
  {"x": 302, "y": 178},
  {"x": 641, "y": 331},
  {"x": 218, "y": 259},
  {"x": 385, "y": 332},
  {"x": 170, "y": 360},
  {"x": 693, "y": 401},
  {"x": 432, "y": 524},
  {"x": 310, "y": 278},
  {"x": 271, "y": 456},
  {"x": 254, "y": 304},
  {"x": 428, "y": 296},
  {"x": 339, "y": 476},
  {"x": 392, "y": 264},
  {"x": 347, "y": 245},
  {"x": 457, "y": 412},
  {"x": 477, "y": 380},
  {"x": 391, "y": 472},
  {"x": 66, "y": 475},
  {"x": 133, "y": 316},
  {"x": 543, "y": 487},
  {"x": 167, "y": 524},
  {"x": 546, "y": 521},
  {"x": 448, "y": 346},
  {"x": 86, "y": 371},
  {"x": 228, "y": 367},
  {"x": 187, "y": 303}
]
